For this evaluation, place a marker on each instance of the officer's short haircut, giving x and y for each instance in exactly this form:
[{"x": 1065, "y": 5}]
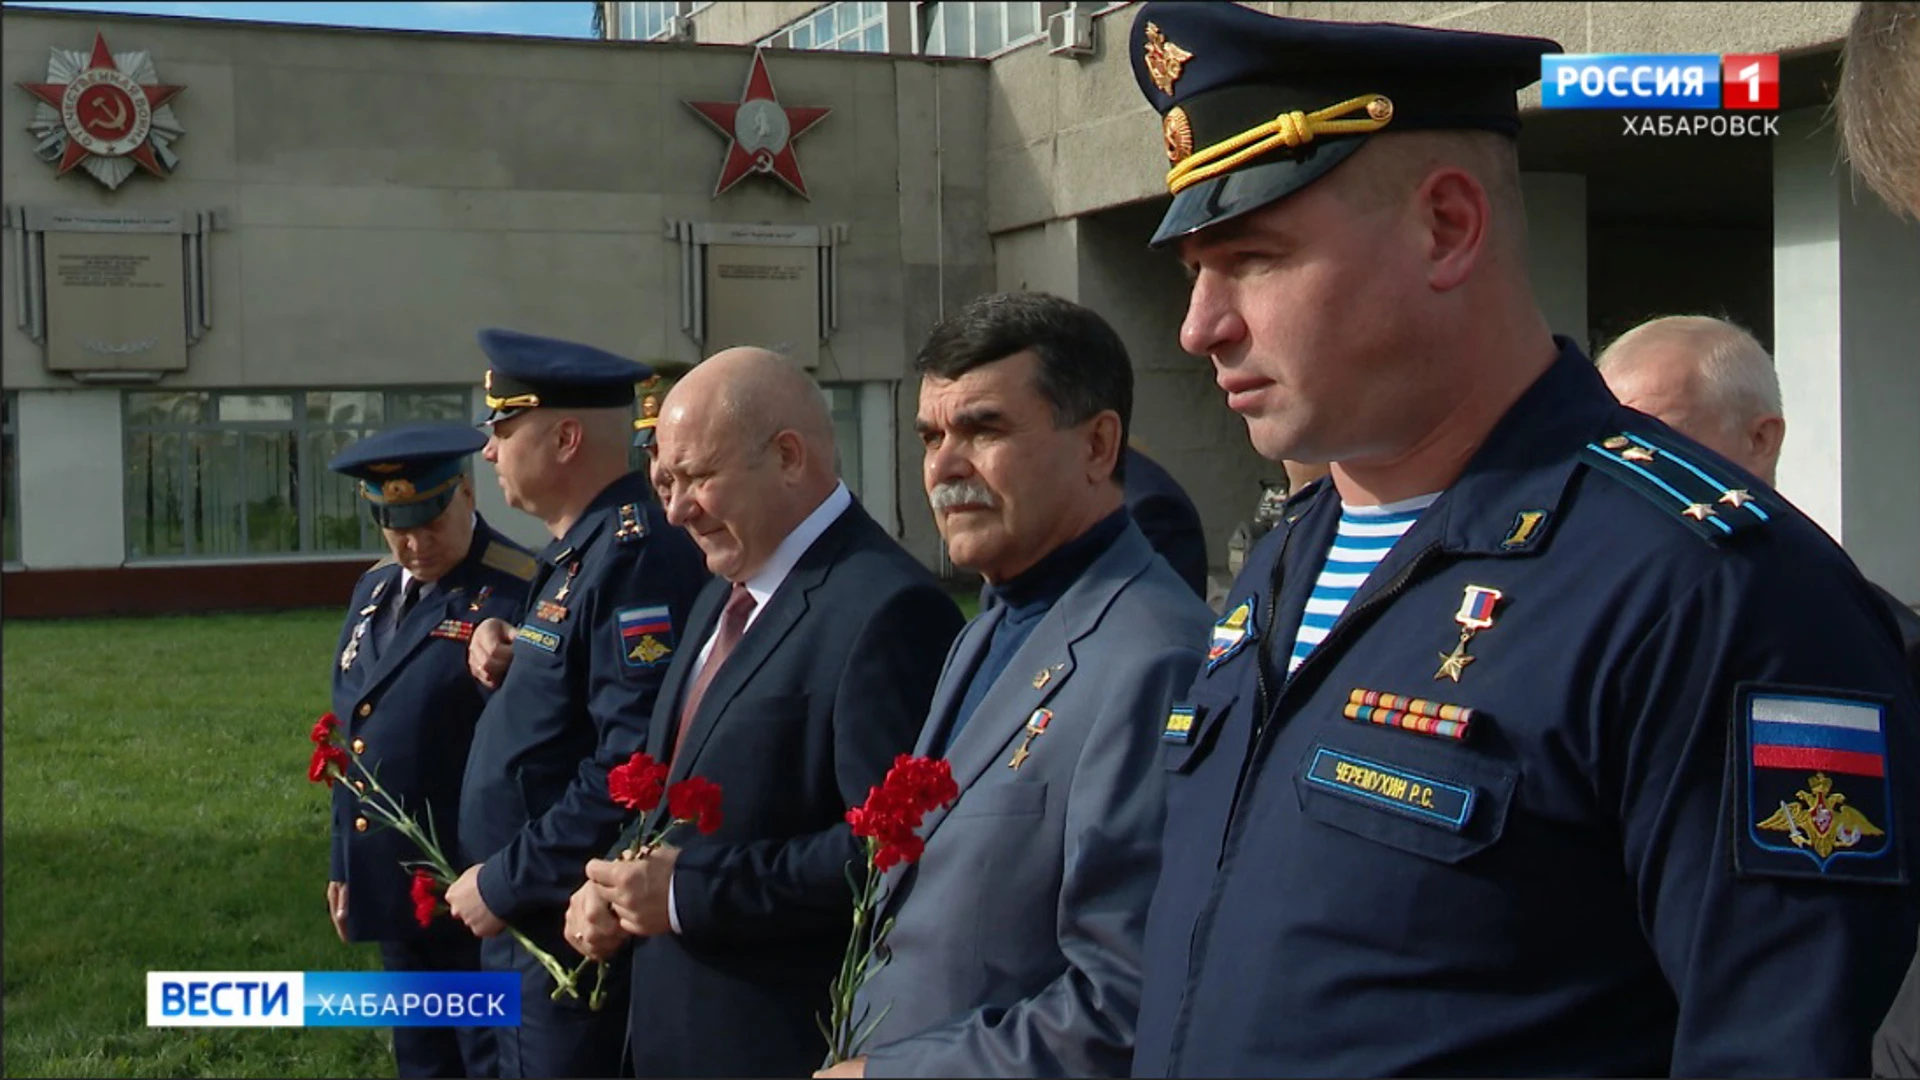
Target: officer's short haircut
[
  {"x": 1741, "y": 382},
  {"x": 1083, "y": 371},
  {"x": 1879, "y": 102}
]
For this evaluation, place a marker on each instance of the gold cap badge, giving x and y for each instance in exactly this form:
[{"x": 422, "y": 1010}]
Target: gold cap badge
[
  {"x": 1164, "y": 59},
  {"x": 1178, "y": 132}
]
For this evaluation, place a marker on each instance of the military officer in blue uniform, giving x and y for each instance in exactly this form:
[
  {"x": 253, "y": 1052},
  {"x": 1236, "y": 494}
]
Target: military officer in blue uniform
[
  {"x": 577, "y": 673},
  {"x": 1540, "y": 739},
  {"x": 408, "y": 705}
]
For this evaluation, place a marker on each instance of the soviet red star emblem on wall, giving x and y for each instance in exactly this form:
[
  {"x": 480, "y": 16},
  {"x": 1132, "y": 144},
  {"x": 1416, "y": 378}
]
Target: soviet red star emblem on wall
[
  {"x": 760, "y": 132},
  {"x": 104, "y": 113}
]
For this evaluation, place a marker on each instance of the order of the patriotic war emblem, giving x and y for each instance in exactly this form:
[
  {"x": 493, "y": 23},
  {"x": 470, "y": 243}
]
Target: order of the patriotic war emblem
[{"x": 105, "y": 112}]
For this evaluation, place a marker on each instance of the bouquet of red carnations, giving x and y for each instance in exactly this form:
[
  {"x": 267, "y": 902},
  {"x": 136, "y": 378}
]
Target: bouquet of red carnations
[
  {"x": 889, "y": 822},
  {"x": 638, "y": 786},
  {"x": 433, "y": 872}
]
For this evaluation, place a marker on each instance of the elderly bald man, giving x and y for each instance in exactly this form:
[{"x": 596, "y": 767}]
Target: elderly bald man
[{"x": 808, "y": 665}]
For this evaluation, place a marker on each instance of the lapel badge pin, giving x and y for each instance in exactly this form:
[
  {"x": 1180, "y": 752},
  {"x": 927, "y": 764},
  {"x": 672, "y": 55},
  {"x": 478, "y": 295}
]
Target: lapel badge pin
[
  {"x": 567, "y": 586},
  {"x": 1036, "y": 727},
  {"x": 480, "y": 598},
  {"x": 1475, "y": 615}
]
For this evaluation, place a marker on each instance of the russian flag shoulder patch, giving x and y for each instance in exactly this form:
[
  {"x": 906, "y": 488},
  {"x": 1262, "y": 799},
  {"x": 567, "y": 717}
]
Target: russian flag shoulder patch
[{"x": 1814, "y": 794}]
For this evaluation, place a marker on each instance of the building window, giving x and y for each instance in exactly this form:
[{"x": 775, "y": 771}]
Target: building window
[
  {"x": 978, "y": 29},
  {"x": 232, "y": 475},
  {"x": 10, "y": 476},
  {"x": 844, "y": 26},
  {"x": 843, "y": 402},
  {"x": 647, "y": 21}
]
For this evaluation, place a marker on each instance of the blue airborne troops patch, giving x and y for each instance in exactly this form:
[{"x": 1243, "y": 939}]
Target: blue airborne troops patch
[
  {"x": 1232, "y": 633},
  {"x": 1815, "y": 793}
]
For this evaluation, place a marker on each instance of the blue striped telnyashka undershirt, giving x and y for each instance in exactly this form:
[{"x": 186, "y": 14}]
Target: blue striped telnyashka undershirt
[{"x": 1365, "y": 535}]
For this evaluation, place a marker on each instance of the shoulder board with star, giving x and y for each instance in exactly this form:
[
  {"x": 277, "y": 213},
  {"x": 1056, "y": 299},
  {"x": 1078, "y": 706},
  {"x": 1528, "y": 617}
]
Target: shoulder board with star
[
  {"x": 1715, "y": 506},
  {"x": 508, "y": 560},
  {"x": 633, "y": 524}
]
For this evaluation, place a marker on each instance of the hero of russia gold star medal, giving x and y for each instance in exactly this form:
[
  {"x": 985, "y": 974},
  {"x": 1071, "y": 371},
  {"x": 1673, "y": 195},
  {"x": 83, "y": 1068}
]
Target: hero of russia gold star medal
[{"x": 1475, "y": 615}]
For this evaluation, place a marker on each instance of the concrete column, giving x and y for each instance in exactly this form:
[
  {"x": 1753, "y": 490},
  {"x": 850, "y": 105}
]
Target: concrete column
[
  {"x": 1847, "y": 347},
  {"x": 72, "y": 479},
  {"x": 1557, "y": 250},
  {"x": 882, "y": 479},
  {"x": 1043, "y": 258}
]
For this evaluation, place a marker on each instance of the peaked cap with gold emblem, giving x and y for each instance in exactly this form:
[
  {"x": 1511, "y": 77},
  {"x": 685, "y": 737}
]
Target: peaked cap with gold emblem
[
  {"x": 408, "y": 474},
  {"x": 1255, "y": 107},
  {"x": 527, "y": 371}
]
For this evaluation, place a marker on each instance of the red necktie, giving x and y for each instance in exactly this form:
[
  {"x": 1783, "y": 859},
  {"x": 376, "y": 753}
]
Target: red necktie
[{"x": 733, "y": 623}]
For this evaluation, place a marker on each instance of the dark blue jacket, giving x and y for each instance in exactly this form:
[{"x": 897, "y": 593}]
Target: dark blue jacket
[
  {"x": 1163, "y": 511},
  {"x": 1636, "y": 862},
  {"x": 828, "y": 685},
  {"x": 411, "y": 708},
  {"x": 609, "y": 602}
]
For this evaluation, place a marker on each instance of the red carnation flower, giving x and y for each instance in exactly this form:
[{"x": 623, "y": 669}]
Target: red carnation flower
[
  {"x": 695, "y": 799},
  {"x": 426, "y": 897},
  {"x": 323, "y": 728},
  {"x": 638, "y": 784},
  {"x": 324, "y": 755},
  {"x": 895, "y": 807},
  {"x": 904, "y": 849}
]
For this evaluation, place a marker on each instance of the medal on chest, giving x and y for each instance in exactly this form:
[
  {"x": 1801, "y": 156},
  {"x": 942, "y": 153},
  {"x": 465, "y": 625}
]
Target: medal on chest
[{"x": 1475, "y": 615}]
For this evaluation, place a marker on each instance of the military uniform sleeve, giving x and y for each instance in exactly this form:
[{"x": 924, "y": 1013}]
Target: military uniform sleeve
[
  {"x": 1775, "y": 940},
  {"x": 797, "y": 886},
  {"x": 1081, "y": 1023},
  {"x": 547, "y": 860},
  {"x": 337, "y": 839}
]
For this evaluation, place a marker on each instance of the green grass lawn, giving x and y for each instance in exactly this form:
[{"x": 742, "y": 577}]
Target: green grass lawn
[{"x": 158, "y": 817}]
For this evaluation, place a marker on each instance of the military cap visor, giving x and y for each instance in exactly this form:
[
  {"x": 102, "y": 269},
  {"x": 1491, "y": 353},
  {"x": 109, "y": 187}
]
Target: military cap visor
[
  {"x": 1254, "y": 107},
  {"x": 409, "y": 475},
  {"x": 529, "y": 372}
]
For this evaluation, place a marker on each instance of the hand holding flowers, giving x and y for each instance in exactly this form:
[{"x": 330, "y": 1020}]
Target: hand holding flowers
[
  {"x": 639, "y": 785},
  {"x": 433, "y": 873}
]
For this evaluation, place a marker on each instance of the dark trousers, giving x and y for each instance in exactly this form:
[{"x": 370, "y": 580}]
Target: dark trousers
[
  {"x": 440, "y": 1051},
  {"x": 561, "y": 1038}
]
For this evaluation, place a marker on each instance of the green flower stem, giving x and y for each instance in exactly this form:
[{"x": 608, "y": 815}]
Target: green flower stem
[
  {"x": 383, "y": 805},
  {"x": 639, "y": 849},
  {"x": 845, "y": 1040}
]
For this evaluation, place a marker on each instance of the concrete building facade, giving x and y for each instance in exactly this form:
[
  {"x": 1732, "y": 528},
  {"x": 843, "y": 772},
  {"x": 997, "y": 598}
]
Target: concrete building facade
[{"x": 376, "y": 197}]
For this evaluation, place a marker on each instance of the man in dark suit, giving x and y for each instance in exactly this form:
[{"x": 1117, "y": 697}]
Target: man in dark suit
[
  {"x": 1163, "y": 511},
  {"x": 807, "y": 668},
  {"x": 587, "y": 657},
  {"x": 408, "y": 705}
]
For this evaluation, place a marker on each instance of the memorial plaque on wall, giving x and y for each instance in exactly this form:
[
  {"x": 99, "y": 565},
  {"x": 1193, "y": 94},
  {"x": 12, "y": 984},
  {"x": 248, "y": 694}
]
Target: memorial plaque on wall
[
  {"x": 115, "y": 302},
  {"x": 767, "y": 296}
]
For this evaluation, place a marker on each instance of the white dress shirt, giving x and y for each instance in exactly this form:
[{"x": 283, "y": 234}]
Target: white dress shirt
[{"x": 762, "y": 584}]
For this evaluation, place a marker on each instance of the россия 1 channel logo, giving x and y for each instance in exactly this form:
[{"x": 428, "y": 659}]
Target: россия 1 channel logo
[{"x": 1652, "y": 82}]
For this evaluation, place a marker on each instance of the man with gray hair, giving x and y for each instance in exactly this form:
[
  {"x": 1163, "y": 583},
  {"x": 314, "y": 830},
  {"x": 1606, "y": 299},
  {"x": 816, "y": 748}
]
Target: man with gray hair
[
  {"x": 1706, "y": 378},
  {"x": 1714, "y": 383}
]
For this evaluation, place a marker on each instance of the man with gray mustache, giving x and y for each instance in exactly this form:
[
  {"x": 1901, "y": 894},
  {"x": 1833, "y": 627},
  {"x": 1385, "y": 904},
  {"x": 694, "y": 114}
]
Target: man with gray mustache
[{"x": 1015, "y": 949}]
